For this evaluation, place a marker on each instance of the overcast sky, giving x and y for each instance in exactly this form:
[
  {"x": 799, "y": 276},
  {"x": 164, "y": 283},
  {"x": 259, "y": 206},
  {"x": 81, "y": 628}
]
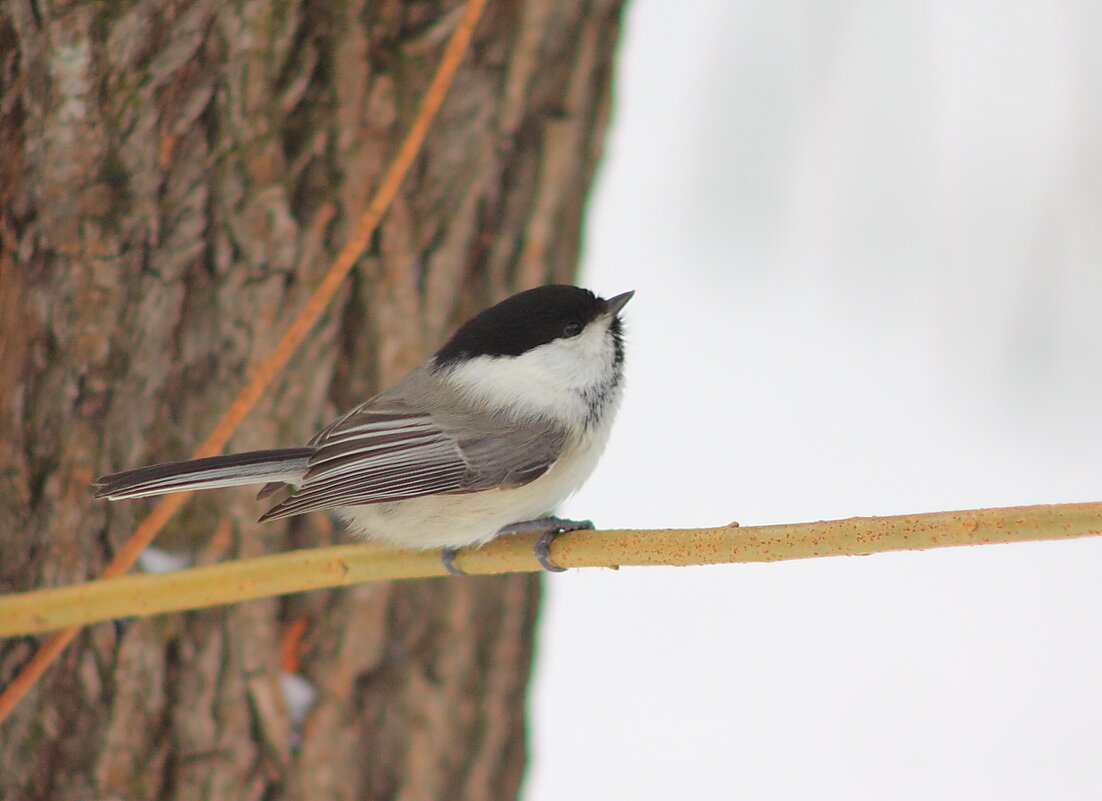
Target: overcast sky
[{"x": 865, "y": 239}]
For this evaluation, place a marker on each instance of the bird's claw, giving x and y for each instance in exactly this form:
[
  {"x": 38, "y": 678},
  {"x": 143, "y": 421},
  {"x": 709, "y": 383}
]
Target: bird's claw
[{"x": 447, "y": 557}]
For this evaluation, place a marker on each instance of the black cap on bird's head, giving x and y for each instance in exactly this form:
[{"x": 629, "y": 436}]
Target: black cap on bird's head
[{"x": 529, "y": 319}]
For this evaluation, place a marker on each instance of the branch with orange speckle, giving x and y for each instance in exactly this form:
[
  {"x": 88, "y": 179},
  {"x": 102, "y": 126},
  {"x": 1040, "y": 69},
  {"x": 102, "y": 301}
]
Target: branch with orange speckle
[{"x": 140, "y": 595}]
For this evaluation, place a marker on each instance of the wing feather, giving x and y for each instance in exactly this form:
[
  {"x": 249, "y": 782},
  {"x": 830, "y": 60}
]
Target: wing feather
[{"x": 390, "y": 450}]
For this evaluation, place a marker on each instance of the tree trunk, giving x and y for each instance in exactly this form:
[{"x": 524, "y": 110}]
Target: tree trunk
[{"x": 174, "y": 177}]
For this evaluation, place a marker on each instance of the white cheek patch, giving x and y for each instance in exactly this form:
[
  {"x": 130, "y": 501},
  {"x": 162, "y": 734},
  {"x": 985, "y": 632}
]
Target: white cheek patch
[{"x": 556, "y": 379}]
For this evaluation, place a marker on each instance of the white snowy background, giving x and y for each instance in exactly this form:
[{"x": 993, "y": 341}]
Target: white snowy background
[{"x": 866, "y": 240}]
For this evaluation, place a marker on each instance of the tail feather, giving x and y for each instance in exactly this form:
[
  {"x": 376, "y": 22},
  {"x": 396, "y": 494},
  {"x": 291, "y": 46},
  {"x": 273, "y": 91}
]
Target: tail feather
[{"x": 255, "y": 467}]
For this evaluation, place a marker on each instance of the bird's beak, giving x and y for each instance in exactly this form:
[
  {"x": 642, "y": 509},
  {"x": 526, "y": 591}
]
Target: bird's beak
[{"x": 613, "y": 305}]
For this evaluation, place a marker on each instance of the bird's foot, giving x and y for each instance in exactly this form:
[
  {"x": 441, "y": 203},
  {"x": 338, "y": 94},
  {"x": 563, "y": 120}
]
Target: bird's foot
[{"x": 551, "y": 527}]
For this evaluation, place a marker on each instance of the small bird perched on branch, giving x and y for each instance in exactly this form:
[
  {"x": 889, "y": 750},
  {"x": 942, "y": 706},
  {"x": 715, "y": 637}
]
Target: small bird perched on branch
[{"x": 486, "y": 437}]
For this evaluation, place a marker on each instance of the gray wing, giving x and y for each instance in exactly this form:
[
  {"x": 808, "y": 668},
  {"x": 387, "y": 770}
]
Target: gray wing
[{"x": 391, "y": 449}]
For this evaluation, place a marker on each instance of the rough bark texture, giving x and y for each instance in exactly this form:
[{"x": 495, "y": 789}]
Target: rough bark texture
[{"x": 174, "y": 177}]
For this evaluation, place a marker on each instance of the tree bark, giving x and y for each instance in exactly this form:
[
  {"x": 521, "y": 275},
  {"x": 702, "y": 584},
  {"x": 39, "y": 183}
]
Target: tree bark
[{"x": 174, "y": 177}]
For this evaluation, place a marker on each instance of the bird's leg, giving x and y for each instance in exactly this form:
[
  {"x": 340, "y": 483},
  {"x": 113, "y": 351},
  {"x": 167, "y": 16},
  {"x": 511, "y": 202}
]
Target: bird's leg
[{"x": 551, "y": 527}]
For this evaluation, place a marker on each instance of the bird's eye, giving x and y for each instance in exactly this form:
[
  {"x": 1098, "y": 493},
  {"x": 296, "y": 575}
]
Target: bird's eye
[{"x": 571, "y": 329}]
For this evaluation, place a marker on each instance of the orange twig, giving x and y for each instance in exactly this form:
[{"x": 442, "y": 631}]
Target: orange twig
[
  {"x": 278, "y": 357},
  {"x": 290, "y": 644}
]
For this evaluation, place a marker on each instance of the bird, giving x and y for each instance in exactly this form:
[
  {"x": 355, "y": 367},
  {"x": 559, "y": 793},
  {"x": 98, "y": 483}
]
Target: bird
[{"x": 487, "y": 437}]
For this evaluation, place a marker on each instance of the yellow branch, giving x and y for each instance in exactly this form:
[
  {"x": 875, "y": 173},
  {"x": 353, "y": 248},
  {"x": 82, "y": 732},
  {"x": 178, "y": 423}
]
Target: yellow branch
[{"x": 149, "y": 594}]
